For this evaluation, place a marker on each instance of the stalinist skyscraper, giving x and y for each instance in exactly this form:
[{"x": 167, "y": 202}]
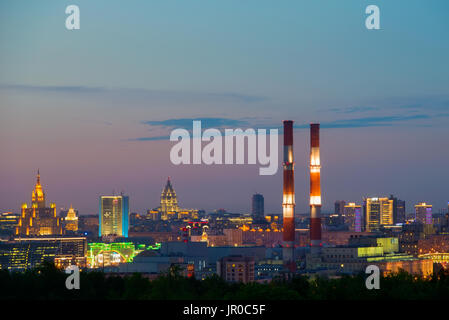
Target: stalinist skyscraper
[
  {"x": 38, "y": 220},
  {"x": 169, "y": 201}
]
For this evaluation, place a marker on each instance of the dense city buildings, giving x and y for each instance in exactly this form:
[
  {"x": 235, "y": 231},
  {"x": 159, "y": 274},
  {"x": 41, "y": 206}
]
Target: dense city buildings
[
  {"x": 212, "y": 243},
  {"x": 24, "y": 253},
  {"x": 38, "y": 219},
  {"x": 256, "y": 246},
  {"x": 114, "y": 216}
]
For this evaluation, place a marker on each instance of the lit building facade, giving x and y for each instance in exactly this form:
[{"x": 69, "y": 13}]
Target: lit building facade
[
  {"x": 169, "y": 208},
  {"x": 353, "y": 217},
  {"x": 236, "y": 269},
  {"x": 71, "y": 220},
  {"x": 423, "y": 213},
  {"x": 111, "y": 254},
  {"x": 169, "y": 201},
  {"x": 355, "y": 259},
  {"x": 114, "y": 216},
  {"x": 29, "y": 252},
  {"x": 8, "y": 223},
  {"x": 378, "y": 212},
  {"x": 38, "y": 220}
]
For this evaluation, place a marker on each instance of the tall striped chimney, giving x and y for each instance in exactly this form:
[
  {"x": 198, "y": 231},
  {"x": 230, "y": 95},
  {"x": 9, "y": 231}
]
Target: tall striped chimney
[
  {"x": 315, "y": 189},
  {"x": 288, "y": 199}
]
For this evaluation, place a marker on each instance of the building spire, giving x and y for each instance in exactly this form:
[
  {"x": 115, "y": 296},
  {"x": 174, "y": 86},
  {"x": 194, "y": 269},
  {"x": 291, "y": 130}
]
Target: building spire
[{"x": 38, "y": 195}]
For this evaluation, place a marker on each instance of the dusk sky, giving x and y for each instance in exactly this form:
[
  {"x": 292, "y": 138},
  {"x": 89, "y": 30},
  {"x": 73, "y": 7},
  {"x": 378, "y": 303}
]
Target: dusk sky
[{"x": 92, "y": 108}]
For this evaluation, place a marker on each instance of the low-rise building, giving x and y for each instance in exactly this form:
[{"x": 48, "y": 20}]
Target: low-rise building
[{"x": 236, "y": 269}]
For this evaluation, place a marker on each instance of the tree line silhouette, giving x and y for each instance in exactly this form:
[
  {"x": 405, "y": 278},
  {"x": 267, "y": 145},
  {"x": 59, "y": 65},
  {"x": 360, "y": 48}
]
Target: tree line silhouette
[{"x": 48, "y": 282}]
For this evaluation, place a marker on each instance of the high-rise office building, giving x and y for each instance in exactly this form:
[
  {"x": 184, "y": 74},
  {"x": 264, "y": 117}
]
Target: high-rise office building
[
  {"x": 398, "y": 210},
  {"x": 353, "y": 217},
  {"x": 114, "y": 216},
  {"x": 257, "y": 207},
  {"x": 423, "y": 213},
  {"x": 378, "y": 212},
  {"x": 8, "y": 223},
  {"x": 339, "y": 207},
  {"x": 38, "y": 220}
]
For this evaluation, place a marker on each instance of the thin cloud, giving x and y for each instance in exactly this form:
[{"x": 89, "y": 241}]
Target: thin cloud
[
  {"x": 150, "y": 95},
  {"x": 186, "y": 123},
  {"x": 155, "y": 138},
  {"x": 362, "y": 122},
  {"x": 67, "y": 89},
  {"x": 355, "y": 109},
  {"x": 426, "y": 103},
  {"x": 205, "y": 123},
  {"x": 382, "y": 121}
]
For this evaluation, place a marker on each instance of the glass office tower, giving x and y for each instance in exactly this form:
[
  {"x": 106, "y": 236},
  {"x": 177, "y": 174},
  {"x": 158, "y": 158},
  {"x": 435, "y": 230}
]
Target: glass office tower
[{"x": 114, "y": 216}]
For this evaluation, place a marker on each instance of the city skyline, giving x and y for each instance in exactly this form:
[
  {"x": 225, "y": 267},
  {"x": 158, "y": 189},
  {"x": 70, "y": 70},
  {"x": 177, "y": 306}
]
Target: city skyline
[
  {"x": 411, "y": 205},
  {"x": 92, "y": 108},
  {"x": 224, "y": 151}
]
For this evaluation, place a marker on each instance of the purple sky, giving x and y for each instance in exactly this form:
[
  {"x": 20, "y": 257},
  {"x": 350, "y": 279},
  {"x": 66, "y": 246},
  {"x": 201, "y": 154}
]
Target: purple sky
[{"x": 90, "y": 108}]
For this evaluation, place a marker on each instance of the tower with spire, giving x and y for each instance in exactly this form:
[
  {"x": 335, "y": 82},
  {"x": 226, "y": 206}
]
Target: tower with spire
[
  {"x": 38, "y": 220},
  {"x": 169, "y": 201},
  {"x": 38, "y": 194}
]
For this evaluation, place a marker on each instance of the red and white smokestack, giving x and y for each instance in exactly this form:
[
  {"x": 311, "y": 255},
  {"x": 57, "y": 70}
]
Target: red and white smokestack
[
  {"x": 288, "y": 200},
  {"x": 315, "y": 189}
]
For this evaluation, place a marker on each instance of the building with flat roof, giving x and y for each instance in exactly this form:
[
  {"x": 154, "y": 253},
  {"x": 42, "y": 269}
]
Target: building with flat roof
[
  {"x": 378, "y": 213},
  {"x": 355, "y": 259},
  {"x": 29, "y": 252},
  {"x": 257, "y": 207},
  {"x": 114, "y": 216},
  {"x": 423, "y": 213},
  {"x": 352, "y": 214},
  {"x": 236, "y": 269}
]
